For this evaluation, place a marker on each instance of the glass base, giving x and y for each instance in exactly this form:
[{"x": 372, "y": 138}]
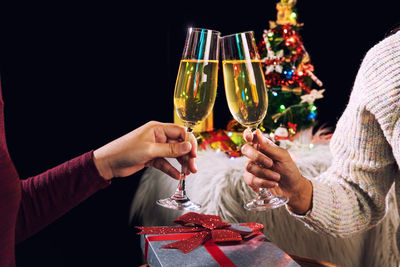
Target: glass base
[
  {"x": 178, "y": 204},
  {"x": 260, "y": 204}
]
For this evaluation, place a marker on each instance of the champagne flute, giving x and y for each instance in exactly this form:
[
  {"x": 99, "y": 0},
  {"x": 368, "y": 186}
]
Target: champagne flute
[
  {"x": 194, "y": 96},
  {"x": 247, "y": 97}
]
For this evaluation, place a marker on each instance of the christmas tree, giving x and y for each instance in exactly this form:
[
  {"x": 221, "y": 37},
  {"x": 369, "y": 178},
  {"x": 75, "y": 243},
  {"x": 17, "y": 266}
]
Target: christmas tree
[{"x": 288, "y": 74}]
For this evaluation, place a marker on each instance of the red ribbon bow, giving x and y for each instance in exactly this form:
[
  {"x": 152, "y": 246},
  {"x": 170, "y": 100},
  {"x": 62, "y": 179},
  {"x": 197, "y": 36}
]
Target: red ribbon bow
[{"x": 207, "y": 227}]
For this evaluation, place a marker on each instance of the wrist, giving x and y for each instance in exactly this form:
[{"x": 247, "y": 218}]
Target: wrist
[
  {"x": 301, "y": 200},
  {"x": 102, "y": 165}
]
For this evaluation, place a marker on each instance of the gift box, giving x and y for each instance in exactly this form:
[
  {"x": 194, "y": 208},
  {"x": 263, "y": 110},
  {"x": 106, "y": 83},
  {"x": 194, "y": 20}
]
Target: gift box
[
  {"x": 221, "y": 140},
  {"x": 248, "y": 247}
]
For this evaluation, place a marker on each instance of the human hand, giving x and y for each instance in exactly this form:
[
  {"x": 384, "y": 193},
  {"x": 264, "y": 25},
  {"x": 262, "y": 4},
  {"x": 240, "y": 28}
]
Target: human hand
[
  {"x": 271, "y": 166},
  {"x": 145, "y": 146}
]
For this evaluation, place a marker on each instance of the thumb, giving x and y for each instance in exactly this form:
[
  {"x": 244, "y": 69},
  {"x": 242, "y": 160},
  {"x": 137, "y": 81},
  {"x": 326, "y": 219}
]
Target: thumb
[
  {"x": 267, "y": 146},
  {"x": 170, "y": 150},
  {"x": 248, "y": 135}
]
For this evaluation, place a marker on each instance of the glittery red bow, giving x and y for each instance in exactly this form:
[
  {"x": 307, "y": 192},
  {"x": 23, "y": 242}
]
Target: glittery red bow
[{"x": 207, "y": 227}]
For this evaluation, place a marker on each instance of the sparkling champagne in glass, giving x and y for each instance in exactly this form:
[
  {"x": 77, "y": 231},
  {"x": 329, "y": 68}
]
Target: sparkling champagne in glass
[
  {"x": 194, "y": 96},
  {"x": 247, "y": 97}
]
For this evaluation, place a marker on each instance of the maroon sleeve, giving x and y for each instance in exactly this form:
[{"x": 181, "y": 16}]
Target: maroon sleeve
[{"x": 49, "y": 195}]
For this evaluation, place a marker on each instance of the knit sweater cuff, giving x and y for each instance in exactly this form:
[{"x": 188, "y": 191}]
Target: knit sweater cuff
[{"x": 321, "y": 198}]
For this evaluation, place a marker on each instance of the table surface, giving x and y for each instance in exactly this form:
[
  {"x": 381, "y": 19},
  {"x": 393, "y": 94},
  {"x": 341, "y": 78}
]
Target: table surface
[
  {"x": 302, "y": 261},
  {"x": 307, "y": 262}
]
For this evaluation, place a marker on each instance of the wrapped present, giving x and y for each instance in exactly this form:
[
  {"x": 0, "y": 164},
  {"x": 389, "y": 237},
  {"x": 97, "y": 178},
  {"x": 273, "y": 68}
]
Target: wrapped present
[
  {"x": 236, "y": 137},
  {"x": 220, "y": 140},
  {"x": 205, "y": 240}
]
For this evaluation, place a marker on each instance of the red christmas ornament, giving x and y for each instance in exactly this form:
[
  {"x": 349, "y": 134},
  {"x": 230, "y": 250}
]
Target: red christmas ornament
[
  {"x": 292, "y": 126},
  {"x": 273, "y": 79}
]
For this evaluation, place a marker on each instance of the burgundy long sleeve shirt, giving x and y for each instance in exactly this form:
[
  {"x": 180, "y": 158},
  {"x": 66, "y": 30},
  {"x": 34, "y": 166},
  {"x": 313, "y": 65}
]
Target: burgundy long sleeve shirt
[{"x": 27, "y": 206}]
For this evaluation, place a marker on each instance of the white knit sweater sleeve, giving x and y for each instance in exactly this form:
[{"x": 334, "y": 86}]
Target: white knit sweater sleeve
[{"x": 351, "y": 195}]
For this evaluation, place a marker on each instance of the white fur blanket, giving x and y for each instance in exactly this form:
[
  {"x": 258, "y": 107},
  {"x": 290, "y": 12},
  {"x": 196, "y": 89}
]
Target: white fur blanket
[{"x": 219, "y": 188}]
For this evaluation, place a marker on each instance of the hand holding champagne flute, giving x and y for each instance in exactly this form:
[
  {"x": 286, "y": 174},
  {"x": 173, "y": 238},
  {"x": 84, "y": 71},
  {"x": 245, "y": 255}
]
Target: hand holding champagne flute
[
  {"x": 247, "y": 96},
  {"x": 194, "y": 96}
]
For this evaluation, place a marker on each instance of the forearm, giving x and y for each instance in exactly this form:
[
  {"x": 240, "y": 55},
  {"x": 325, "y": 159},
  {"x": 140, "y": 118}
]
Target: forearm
[
  {"x": 49, "y": 195},
  {"x": 341, "y": 207}
]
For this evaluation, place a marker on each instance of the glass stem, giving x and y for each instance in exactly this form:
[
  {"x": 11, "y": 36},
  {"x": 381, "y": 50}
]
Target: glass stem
[
  {"x": 264, "y": 193},
  {"x": 180, "y": 192}
]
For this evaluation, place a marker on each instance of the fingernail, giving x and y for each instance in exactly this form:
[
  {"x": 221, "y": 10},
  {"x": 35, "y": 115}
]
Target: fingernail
[
  {"x": 267, "y": 163},
  {"x": 186, "y": 146},
  {"x": 195, "y": 167},
  {"x": 244, "y": 149},
  {"x": 249, "y": 166},
  {"x": 276, "y": 176},
  {"x": 269, "y": 141}
]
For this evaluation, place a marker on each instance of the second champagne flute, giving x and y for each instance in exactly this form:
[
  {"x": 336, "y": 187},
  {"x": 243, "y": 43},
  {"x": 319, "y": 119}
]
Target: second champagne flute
[
  {"x": 247, "y": 96},
  {"x": 194, "y": 96}
]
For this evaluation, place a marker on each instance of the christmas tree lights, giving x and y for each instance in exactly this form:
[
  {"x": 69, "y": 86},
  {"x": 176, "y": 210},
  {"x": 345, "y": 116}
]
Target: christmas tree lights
[{"x": 289, "y": 74}]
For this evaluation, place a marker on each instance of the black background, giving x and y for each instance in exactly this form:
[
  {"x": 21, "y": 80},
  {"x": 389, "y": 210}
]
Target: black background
[{"x": 75, "y": 76}]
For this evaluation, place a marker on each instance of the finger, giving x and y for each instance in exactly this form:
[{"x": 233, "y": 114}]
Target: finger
[
  {"x": 261, "y": 172},
  {"x": 192, "y": 165},
  {"x": 188, "y": 164},
  {"x": 268, "y": 147},
  {"x": 264, "y": 183},
  {"x": 164, "y": 166},
  {"x": 174, "y": 131},
  {"x": 248, "y": 179},
  {"x": 193, "y": 141},
  {"x": 248, "y": 135},
  {"x": 255, "y": 155},
  {"x": 255, "y": 182},
  {"x": 169, "y": 150}
]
